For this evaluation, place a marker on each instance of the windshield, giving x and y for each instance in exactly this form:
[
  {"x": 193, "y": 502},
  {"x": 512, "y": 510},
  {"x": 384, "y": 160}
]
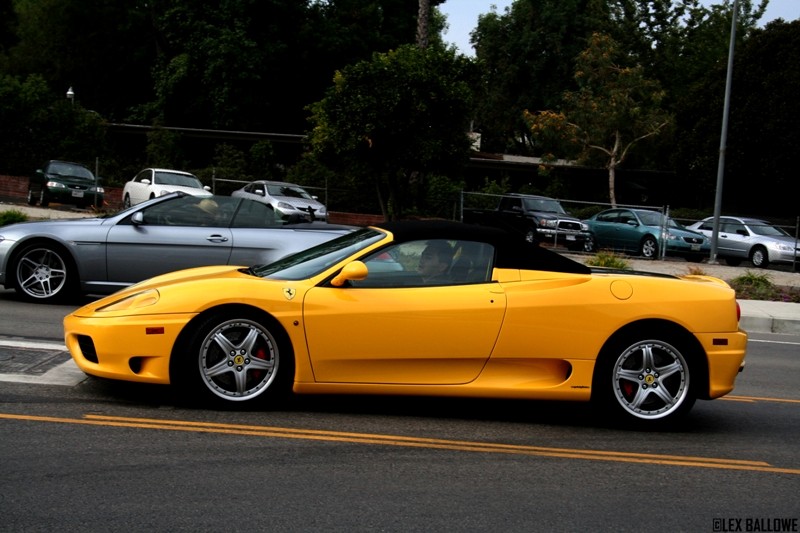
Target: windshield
[
  {"x": 289, "y": 191},
  {"x": 72, "y": 171},
  {"x": 178, "y": 180},
  {"x": 547, "y": 205},
  {"x": 311, "y": 262},
  {"x": 654, "y": 218},
  {"x": 763, "y": 228}
]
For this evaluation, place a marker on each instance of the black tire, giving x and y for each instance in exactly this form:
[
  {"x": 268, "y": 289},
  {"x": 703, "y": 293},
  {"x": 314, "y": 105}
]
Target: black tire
[
  {"x": 589, "y": 245},
  {"x": 648, "y": 248},
  {"x": 43, "y": 199},
  {"x": 694, "y": 258},
  {"x": 126, "y": 202},
  {"x": 646, "y": 378},
  {"x": 44, "y": 272},
  {"x": 232, "y": 358},
  {"x": 732, "y": 261},
  {"x": 759, "y": 257},
  {"x": 32, "y": 200}
]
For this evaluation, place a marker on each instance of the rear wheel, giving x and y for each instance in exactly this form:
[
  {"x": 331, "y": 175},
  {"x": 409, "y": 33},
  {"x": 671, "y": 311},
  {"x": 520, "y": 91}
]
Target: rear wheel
[
  {"x": 645, "y": 379},
  {"x": 759, "y": 257},
  {"x": 126, "y": 202},
  {"x": 732, "y": 261},
  {"x": 232, "y": 357},
  {"x": 43, "y": 272},
  {"x": 649, "y": 247}
]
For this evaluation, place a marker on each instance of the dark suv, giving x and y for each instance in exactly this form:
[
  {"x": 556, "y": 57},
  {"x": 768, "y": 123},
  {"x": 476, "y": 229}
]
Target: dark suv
[
  {"x": 65, "y": 183},
  {"x": 537, "y": 218}
]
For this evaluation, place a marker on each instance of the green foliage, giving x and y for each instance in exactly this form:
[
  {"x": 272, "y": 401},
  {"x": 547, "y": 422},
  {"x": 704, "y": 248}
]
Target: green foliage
[
  {"x": 527, "y": 56},
  {"x": 395, "y": 120},
  {"x": 608, "y": 260},
  {"x": 759, "y": 286},
  {"x": 614, "y": 108},
  {"x": 12, "y": 216}
]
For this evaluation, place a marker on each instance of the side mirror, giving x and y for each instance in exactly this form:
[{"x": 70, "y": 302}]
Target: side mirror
[
  {"x": 206, "y": 187},
  {"x": 355, "y": 271},
  {"x": 137, "y": 219},
  {"x": 145, "y": 181}
]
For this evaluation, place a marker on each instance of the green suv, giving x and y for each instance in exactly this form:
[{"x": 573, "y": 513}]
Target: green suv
[{"x": 65, "y": 183}]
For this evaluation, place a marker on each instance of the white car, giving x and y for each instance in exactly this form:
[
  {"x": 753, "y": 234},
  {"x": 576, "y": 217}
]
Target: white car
[
  {"x": 287, "y": 199},
  {"x": 741, "y": 239},
  {"x": 154, "y": 182}
]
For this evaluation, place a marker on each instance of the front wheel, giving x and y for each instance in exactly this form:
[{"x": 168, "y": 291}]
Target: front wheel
[
  {"x": 759, "y": 257},
  {"x": 32, "y": 199},
  {"x": 126, "y": 202},
  {"x": 648, "y": 248},
  {"x": 645, "y": 380},
  {"x": 232, "y": 357},
  {"x": 42, "y": 272}
]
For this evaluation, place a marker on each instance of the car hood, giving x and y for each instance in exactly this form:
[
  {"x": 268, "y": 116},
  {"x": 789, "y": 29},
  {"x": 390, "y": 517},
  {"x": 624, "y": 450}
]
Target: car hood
[
  {"x": 194, "y": 191},
  {"x": 77, "y": 180},
  {"x": 196, "y": 289},
  {"x": 300, "y": 202},
  {"x": 45, "y": 226}
]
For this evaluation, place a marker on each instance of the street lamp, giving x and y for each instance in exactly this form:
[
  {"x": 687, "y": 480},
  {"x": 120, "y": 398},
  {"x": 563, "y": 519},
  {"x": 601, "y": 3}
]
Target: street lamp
[{"x": 71, "y": 96}]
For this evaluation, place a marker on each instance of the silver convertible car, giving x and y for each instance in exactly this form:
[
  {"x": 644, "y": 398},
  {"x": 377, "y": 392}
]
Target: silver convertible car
[{"x": 51, "y": 260}]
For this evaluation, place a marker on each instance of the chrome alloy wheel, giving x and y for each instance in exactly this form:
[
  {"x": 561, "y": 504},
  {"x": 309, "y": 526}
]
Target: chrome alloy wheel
[
  {"x": 238, "y": 360},
  {"x": 650, "y": 379},
  {"x": 41, "y": 273}
]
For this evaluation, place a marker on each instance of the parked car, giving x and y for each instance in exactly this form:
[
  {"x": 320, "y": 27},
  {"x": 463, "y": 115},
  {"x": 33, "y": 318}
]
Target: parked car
[
  {"x": 537, "y": 218},
  {"x": 642, "y": 232},
  {"x": 742, "y": 238},
  {"x": 287, "y": 199},
  {"x": 50, "y": 260},
  {"x": 507, "y": 319},
  {"x": 64, "y": 182},
  {"x": 153, "y": 182}
]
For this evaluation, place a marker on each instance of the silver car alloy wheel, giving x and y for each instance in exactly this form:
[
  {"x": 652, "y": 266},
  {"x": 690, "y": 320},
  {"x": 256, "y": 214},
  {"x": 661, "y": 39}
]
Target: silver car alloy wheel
[
  {"x": 41, "y": 273},
  {"x": 649, "y": 247},
  {"x": 238, "y": 359},
  {"x": 650, "y": 379}
]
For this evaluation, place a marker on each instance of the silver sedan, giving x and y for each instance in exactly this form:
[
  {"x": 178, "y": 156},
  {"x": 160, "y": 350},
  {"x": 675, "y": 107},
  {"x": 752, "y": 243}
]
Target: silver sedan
[
  {"x": 742, "y": 238},
  {"x": 50, "y": 260}
]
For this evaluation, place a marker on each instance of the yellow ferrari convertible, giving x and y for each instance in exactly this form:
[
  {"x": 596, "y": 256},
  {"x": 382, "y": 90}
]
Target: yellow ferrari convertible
[{"x": 422, "y": 308}]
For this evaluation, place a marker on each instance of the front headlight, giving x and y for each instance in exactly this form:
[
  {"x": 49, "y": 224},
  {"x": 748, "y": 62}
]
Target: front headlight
[
  {"x": 133, "y": 301},
  {"x": 284, "y": 205},
  {"x": 584, "y": 227},
  {"x": 784, "y": 247},
  {"x": 99, "y": 190},
  {"x": 548, "y": 223},
  {"x": 56, "y": 185}
]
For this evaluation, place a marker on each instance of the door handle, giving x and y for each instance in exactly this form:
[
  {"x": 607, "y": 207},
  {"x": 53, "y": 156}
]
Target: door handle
[{"x": 216, "y": 238}]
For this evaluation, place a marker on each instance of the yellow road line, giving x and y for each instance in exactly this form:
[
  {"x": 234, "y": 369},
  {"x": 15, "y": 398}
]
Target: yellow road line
[
  {"x": 405, "y": 441},
  {"x": 757, "y": 399}
]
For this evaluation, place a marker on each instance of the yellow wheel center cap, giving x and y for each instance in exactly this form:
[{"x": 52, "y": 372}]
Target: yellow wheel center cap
[
  {"x": 649, "y": 379},
  {"x": 238, "y": 360}
]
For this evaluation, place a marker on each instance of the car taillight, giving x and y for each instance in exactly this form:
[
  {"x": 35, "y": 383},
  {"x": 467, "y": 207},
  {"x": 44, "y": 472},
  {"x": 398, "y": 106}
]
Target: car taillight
[{"x": 738, "y": 312}]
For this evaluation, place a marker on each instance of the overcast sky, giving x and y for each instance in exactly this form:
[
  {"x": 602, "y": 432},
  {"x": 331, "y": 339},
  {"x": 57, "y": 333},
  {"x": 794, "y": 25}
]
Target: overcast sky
[{"x": 462, "y": 16}]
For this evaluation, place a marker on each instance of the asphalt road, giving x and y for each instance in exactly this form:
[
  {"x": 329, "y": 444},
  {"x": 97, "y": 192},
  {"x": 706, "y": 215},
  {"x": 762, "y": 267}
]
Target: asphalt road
[{"x": 94, "y": 455}]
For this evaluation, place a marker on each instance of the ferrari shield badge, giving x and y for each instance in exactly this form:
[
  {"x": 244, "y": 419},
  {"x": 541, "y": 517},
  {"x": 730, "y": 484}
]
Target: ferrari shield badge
[{"x": 289, "y": 292}]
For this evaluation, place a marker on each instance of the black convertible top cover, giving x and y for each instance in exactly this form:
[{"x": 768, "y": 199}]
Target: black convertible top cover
[{"x": 512, "y": 251}]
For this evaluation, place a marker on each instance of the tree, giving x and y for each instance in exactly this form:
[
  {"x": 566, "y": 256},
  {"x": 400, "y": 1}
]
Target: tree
[
  {"x": 764, "y": 125},
  {"x": 614, "y": 108},
  {"x": 392, "y": 122},
  {"x": 526, "y": 57}
]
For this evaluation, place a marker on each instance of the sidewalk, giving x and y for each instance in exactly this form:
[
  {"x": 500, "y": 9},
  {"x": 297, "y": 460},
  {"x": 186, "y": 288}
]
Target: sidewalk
[{"x": 757, "y": 316}]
